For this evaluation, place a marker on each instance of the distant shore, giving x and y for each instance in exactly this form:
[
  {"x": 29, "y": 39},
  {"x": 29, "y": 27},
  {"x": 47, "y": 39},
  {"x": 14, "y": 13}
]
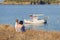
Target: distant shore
[
  {"x": 15, "y": 3},
  {"x": 7, "y": 32},
  {"x": 24, "y": 3}
]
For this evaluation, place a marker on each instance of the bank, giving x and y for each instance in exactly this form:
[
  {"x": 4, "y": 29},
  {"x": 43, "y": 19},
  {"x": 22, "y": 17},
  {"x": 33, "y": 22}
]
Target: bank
[{"x": 7, "y": 32}]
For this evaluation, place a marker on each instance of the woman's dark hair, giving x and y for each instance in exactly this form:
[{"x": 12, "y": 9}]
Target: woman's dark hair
[{"x": 21, "y": 22}]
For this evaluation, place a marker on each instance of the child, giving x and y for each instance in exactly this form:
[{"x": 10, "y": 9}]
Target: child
[{"x": 16, "y": 25}]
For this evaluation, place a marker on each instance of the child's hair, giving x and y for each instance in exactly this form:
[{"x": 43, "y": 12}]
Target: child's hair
[{"x": 21, "y": 22}]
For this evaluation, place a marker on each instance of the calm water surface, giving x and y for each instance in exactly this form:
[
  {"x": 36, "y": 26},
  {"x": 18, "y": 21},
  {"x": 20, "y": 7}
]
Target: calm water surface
[{"x": 8, "y": 14}]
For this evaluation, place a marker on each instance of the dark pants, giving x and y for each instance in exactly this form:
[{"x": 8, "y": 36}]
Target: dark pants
[{"x": 23, "y": 29}]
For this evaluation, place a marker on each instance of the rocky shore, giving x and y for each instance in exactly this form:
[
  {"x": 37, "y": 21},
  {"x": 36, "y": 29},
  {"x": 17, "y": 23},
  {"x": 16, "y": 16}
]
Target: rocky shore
[{"x": 7, "y": 32}]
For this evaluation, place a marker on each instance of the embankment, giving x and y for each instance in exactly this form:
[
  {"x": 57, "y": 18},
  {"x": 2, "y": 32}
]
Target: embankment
[{"x": 8, "y": 32}]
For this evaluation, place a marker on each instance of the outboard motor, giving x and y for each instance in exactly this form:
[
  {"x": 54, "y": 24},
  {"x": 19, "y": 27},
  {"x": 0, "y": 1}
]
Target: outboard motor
[{"x": 45, "y": 22}]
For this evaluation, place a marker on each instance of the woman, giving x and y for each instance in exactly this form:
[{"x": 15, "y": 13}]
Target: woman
[{"x": 22, "y": 27}]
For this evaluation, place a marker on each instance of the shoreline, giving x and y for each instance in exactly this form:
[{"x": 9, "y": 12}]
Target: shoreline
[
  {"x": 24, "y": 3},
  {"x": 7, "y": 32}
]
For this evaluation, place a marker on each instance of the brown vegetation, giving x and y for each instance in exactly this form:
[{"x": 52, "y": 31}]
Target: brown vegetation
[
  {"x": 8, "y": 32},
  {"x": 31, "y": 2}
]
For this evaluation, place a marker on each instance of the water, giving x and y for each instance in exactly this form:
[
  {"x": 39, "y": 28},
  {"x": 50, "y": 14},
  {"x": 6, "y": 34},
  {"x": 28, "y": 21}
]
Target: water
[{"x": 8, "y": 14}]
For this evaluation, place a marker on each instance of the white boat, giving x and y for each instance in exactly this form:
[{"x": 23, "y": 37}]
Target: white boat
[{"x": 35, "y": 20}]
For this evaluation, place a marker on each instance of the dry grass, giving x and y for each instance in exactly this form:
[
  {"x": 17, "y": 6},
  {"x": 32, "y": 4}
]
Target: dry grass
[{"x": 8, "y": 32}]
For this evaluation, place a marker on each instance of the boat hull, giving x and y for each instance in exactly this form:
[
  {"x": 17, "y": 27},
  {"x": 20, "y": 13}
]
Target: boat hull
[{"x": 34, "y": 22}]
